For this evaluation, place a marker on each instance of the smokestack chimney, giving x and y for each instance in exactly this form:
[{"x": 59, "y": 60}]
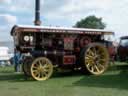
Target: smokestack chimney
[{"x": 37, "y": 13}]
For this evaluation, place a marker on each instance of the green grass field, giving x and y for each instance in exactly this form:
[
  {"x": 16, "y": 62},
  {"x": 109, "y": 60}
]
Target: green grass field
[{"x": 112, "y": 82}]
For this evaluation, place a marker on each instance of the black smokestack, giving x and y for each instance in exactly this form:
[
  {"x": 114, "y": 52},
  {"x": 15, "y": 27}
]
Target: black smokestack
[{"x": 37, "y": 12}]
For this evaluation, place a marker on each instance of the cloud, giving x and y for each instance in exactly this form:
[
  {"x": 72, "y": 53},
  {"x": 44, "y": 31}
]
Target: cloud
[
  {"x": 22, "y": 6},
  {"x": 17, "y": 6},
  {"x": 77, "y": 9},
  {"x": 5, "y": 1},
  {"x": 73, "y": 10},
  {"x": 7, "y": 19},
  {"x": 5, "y": 33},
  {"x": 6, "y": 23}
]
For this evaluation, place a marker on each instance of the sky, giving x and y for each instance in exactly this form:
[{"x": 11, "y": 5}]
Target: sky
[{"x": 63, "y": 13}]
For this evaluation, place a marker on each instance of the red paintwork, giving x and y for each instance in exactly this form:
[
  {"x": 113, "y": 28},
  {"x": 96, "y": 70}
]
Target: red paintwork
[{"x": 69, "y": 59}]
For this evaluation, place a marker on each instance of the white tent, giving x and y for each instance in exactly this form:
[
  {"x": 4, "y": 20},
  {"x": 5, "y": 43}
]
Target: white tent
[{"x": 4, "y": 54}]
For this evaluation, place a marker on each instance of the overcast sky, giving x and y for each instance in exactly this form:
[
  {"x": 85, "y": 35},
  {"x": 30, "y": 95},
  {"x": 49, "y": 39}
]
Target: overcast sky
[{"x": 63, "y": 13}]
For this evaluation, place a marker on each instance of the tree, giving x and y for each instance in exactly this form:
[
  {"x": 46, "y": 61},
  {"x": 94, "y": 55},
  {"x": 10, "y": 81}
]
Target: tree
[{"x": 91, "y": 22}]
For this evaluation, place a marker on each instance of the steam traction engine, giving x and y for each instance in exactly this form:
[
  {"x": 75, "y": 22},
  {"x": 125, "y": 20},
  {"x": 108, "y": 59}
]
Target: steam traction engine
[{"x": 47, "y": 48}]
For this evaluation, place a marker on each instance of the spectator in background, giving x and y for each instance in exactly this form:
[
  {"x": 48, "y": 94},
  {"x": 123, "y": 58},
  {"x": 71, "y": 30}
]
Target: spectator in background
[{"x": 17, "y": 59}]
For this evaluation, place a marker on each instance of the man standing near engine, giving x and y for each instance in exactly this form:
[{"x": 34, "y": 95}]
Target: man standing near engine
[{"x": 17, "y": 59}]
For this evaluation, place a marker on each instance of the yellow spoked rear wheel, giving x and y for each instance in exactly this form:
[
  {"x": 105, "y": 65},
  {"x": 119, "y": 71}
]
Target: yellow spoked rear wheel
[
  {"x": 96, "y": 59},
  {"x": 41, "y": 68}
]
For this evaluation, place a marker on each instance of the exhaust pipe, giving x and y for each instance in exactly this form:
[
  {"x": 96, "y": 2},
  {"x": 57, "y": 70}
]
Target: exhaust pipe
[{"x": 37, "y": 21}]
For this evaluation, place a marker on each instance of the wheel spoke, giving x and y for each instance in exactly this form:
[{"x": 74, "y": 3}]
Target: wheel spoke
[
  {"x": 89, "y": 61},
  {"x": 88, "y": 56},
  {"x": 101, "y": 66},
  {"x": 36, "y": 73},
  {"x": 35, "y": 68},
  {"x": 92, "y": 68},
  {"x": 46, "y": 65},
  {"x": 91, "y": 52},
  {"x": 94, "y": 51},
  {"x": 45, "y": 73},
  {"x": 44, "y": 62},
  {"x": 40, "y": 63},
  {"x": 39, "y": 75},
  {"x": 88, "y": 65},
  {"x": 96, "y": 67}
]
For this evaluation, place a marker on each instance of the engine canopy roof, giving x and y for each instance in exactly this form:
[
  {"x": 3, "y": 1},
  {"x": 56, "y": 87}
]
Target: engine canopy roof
[{"x": 30, "y": 28}]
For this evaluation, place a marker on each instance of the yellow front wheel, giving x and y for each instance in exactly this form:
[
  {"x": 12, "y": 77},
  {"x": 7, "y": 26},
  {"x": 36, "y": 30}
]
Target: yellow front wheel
[{"x": 41, "y": 69}]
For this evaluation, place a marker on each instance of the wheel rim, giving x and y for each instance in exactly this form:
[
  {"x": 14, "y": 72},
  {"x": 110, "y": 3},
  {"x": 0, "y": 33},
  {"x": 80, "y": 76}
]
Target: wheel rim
[
  {"x": 96, "y": 59},
  {"x": 41, "y": 69}
]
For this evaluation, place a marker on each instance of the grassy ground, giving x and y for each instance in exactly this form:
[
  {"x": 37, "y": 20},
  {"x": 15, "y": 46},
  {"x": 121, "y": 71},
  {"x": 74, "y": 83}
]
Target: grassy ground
[{"x": 111, "y": 83}]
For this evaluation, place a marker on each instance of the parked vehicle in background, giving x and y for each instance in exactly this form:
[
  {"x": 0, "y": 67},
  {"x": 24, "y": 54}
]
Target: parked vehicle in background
[
  {"x": 122, "y": 50},
  {"x": 4, "y": 56},
  {"x": 112, "y": 49}
]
